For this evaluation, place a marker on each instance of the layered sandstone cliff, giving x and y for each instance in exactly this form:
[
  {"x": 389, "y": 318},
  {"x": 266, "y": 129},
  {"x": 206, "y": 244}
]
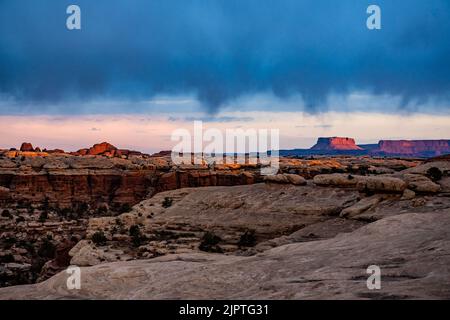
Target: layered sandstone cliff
[
  {"x": 229, "y": 243},
  {"x": 415, "y": 147},
  {"x": 335, "y": 143},
  {"x": 67, "y": 180}
]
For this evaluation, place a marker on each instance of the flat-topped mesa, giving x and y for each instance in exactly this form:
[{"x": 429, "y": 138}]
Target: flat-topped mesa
[
  {"x": 415, "y": 147},
  {"x": 336, "y": 144}
]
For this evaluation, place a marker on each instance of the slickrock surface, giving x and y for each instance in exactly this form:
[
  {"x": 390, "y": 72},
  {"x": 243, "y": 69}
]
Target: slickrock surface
[
  {"x": 240, "y": 217},
  {"x": 224, "y": 231},
  {"x": 412, "y": 250}
]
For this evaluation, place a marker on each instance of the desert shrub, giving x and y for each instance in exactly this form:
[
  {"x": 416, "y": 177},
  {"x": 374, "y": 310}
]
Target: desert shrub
[
  {"x": 8, "y": 242},
  {"x": 74, "y": 215},
  {"x": 120, "y": 227},
  {"x": 102, "y": 209},
  {"x": 65, "y": 212},
  {"x": 434, "y": 174},
  {"x": 167, "y": 202},
  {"x": 20, "y": 219},
  {"x": 6, "y": 214},
  {"x": 136, "y": 235},
  {"x": 114, "y": 230},
  {"x": 47, "y": 249},
  {"x": 45, "y": 205},
  {"x": 7, "y": 258},
  {"x": 22, "y": 204},
  {"x": 210, "y": 243},
  {"x": 43, "y": 216},
  {"x": 165, "y": 235},
  {"x": 81, "y": 208},
  {"x": 99, "y": 238},
  {"x": 124, "y": 208},
  {"x": 363, "y": 170},
  {"x": 247, "y": 239}
]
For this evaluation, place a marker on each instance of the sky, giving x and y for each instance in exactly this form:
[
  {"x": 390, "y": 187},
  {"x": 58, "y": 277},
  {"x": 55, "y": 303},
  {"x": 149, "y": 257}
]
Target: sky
[{"x": 309, "y": 66}]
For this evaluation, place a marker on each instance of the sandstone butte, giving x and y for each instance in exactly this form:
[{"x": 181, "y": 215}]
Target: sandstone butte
[
  {"x": 105, "y": 149},
  {"x": 26, "y": 147},
  {"x": 336, "y": 143}
]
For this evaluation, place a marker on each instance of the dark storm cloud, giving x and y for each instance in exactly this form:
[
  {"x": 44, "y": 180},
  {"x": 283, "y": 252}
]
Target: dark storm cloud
[{"x": 220, "y": 50}]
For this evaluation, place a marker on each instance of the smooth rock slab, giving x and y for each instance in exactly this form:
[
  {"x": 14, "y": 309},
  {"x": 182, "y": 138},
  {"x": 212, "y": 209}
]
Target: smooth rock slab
[{"x": 412, "y": 250}]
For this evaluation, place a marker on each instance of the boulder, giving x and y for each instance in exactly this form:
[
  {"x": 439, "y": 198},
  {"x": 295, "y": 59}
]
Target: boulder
[
  {"x": 336, "y": 180},
  {"x": 421, "y": 184},
  {"x": 408, "y": 195},
  {"x": 7, "y": 164},
  {"x": 294, "y": 179},
  {"x": 102, "y": 148},
  {"x": 4, "y": 193},
  {"x": 85, "y": 253},
  {"x": 361, "y": 206},
  {"x": 381, "y": 184}
]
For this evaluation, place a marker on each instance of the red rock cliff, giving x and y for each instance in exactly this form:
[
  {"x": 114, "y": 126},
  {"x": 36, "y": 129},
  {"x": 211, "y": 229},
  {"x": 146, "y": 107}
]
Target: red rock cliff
[
  {"x": 68, "y": 180},
  {"x": 415, "y": 147},
  {"x": 335, "y": 143}
]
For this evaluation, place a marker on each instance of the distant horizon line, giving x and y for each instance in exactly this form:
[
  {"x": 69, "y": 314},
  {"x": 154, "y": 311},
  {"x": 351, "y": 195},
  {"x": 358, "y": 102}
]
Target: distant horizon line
[{"x": 44, "y": 149}]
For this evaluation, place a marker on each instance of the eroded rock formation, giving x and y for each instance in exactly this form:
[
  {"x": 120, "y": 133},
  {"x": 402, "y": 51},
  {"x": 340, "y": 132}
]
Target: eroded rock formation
[
  {"x": 425, "y": 148},
  {"x": 336, "y": 143},
  {"x": 227, "y": 220}
]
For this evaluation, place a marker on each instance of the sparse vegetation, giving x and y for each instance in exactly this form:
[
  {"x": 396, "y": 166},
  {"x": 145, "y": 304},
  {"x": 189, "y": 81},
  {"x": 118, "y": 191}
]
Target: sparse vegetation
[
  {"x": 81, "y": 208},
  {"x": 43, "y": 216},
  {"x": 101, "y": 210},
  {"x": 114, "y": 230},
  {"x": 99, "y": 238},
  {"x": 6, "y": 214},
  {"x": 47, "y": 249},
  {"x": 45, "y": 204},
  {"x": 7, "y": 258},
  {"x": 65, "y": 212},
  {"x": 125, "y": 208},
  {"x": 248, "y": 239},
  {"x": 210, "y": 243},
  {"x": 136, "y": 235},
  {"x": 434, "y": 174},
  {"x": 167, "y": 202}
]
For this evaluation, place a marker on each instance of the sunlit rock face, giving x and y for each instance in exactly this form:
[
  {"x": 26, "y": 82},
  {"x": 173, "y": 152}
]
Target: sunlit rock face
[
  {"x": 26, "y": 147},
  {"x": 336, "y": 143},
  {"x": 415, "y": 147}
]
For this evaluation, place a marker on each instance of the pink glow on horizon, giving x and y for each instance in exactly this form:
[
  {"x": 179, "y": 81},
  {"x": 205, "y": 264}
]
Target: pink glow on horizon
[{"x": 152, "y": 133}]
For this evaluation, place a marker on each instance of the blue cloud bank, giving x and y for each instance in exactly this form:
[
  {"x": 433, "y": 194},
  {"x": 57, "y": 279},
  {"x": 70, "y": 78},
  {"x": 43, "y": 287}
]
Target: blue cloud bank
[{"x": 220, "y": 50}]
